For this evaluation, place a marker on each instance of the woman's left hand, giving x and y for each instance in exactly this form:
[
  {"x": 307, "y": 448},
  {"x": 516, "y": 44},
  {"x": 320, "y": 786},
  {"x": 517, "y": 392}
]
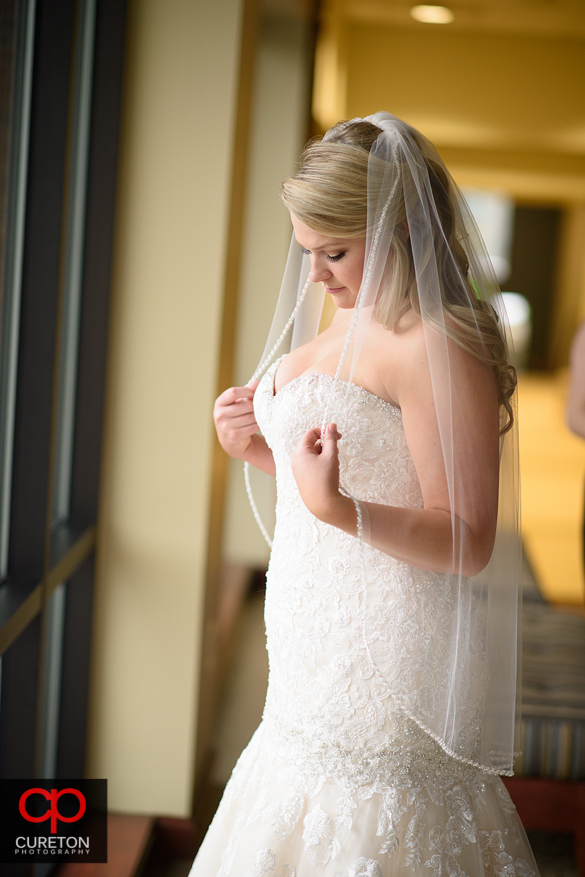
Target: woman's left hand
[{"x": 316, "y": 471}]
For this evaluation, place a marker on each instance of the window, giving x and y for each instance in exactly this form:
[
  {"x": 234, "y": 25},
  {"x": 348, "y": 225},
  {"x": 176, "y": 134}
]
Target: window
[{"x": 61, "y": 74}]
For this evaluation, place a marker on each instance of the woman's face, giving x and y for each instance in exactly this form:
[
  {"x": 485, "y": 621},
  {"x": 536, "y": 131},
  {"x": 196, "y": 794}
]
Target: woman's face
[{"x": 337, "y": 263}]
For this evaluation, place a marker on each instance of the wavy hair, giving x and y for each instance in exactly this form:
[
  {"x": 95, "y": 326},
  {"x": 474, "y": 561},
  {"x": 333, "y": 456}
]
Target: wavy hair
[{"x": 329, "y": 194}]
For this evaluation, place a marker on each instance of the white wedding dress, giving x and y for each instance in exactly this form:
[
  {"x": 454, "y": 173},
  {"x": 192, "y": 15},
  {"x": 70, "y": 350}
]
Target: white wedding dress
[{"x": 337, "y": 780}]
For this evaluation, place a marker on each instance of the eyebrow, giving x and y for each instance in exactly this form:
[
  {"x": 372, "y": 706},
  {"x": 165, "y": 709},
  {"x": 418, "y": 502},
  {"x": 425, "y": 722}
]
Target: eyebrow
[{"x": 329, "y": 246}]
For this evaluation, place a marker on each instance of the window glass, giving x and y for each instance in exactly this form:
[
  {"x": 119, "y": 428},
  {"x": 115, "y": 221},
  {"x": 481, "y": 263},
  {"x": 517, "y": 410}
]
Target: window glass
[{"x": 16, "y": 58}]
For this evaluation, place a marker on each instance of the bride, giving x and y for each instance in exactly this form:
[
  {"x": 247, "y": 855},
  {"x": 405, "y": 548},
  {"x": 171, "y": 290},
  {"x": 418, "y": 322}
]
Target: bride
[{"x": 391, "y": 601}]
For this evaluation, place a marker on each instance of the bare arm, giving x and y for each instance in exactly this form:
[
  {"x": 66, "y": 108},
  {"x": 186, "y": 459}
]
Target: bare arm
[
  {"x": 431, "y": 537},
  {"x": 576, "y": 399},
  {"x": 237, "y": 430}
]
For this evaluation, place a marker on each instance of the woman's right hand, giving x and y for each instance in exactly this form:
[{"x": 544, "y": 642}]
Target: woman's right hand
[{"x": 235, "y": 423}]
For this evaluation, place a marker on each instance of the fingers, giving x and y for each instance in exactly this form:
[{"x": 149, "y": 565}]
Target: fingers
[
  {"x": 233, "y": 427},
  {"x": 315, "y": 466},
  {"x": 234, "y": 415},
  {"x": 330, "y": 438},
  {"x": 235, "y": 437},
  {"x": 236, "y": 394},
  {"x": 331, "y": 433},
  {"x": 229, "y": 405},
  {"x": 311, "y": 442},
  {"x": 234, "y": 430},
  {"x": 234, "y": 418}
]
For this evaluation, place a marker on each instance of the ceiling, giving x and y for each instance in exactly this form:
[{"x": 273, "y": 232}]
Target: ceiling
[
  {"x": 290, "y": 9},
  {"x": 564, "y": 18},
  {"x": 551, "y": 18}
]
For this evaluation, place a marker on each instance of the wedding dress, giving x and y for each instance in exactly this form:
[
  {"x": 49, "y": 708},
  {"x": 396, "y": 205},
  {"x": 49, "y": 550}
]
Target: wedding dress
[{"x": 338, "y": 780}]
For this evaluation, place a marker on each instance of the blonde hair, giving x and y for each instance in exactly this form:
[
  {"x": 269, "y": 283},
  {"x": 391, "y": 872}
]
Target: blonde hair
[{"x": 329, "y": 193}]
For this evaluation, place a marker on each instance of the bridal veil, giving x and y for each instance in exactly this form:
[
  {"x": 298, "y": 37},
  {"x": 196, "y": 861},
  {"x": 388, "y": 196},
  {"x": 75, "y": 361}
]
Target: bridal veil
[{"x": 424, "y": 250}]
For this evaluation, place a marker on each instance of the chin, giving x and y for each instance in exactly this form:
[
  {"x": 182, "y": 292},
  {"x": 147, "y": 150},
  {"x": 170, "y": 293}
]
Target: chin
[{"x": 344, "y": 302}]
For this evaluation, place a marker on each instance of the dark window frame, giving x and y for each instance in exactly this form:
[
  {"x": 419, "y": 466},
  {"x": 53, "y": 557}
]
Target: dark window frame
[{"x": 42, "y": 556}]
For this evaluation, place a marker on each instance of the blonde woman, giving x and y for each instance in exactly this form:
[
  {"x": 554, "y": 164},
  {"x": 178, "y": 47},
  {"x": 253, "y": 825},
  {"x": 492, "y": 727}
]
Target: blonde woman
[{"x": 392, "y": 587}]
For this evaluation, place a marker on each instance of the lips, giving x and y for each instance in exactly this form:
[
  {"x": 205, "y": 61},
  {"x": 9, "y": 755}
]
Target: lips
[{"x": 336, "y": 289}]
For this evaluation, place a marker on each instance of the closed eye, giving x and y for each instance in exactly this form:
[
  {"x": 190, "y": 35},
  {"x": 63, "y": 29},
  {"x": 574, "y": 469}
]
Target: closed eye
[{"x": 329, "y": 258}]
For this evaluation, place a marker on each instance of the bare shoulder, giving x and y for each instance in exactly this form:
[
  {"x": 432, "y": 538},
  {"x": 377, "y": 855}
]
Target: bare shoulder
[
  {"x": 401, "y": 355},
  {"x": 416, "y": 346}
]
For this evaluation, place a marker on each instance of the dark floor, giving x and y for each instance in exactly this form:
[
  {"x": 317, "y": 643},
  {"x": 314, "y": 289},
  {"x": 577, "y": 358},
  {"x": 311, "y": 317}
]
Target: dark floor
[
  {"x": 178, "y": 868},
  {"x": 554, "y": 853}
]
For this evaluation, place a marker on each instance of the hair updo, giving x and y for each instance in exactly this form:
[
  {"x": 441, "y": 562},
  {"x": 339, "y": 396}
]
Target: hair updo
[{"x": 329, "y": 194}]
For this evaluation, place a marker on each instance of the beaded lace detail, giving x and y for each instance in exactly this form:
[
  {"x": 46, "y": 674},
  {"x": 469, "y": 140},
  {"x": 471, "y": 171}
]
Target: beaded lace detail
[
  {"x": 339, "y": 780},
  {"x": 340, "y": 668}
]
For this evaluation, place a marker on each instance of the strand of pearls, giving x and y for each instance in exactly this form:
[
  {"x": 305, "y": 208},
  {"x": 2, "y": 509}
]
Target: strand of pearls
[
  {"x": 268, "y": 358},
  {"x": 493, "y": 771},
  {"x": 348, "y": 339},
  {"x": 260, "y": 370},
  {"x": 362, "y": 560},
  {"x": 254, "y": 507},
  {"x": 364, "y": 287}
]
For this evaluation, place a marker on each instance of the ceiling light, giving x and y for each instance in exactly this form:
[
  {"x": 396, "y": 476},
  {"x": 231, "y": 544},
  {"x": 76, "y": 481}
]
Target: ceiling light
[{"x": 432, "y": 14}]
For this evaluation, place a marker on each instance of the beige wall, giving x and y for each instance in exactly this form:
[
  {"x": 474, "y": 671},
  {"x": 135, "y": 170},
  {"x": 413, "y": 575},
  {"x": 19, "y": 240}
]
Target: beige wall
[
  {"x": 169, "y": 263},
  {"x": 279, "y": 123}
]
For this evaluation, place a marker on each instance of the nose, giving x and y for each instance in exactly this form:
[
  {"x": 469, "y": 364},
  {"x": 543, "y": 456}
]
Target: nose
[{"x": 319, "y": 270}]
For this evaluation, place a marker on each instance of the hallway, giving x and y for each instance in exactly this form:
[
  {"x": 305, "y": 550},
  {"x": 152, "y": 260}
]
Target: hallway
[{"x": 552, "y": 472}]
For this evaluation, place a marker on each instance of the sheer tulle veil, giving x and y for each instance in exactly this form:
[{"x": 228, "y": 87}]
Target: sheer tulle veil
[{"x": 471, "y": 713}]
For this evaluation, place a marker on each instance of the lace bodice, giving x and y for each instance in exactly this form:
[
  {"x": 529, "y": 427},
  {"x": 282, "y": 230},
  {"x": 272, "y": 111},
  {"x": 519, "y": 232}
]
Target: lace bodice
[
  {"x": 327, "y": 596},
  {"x": 375, "y": 463},
  {"x": 340, "y": 779}
]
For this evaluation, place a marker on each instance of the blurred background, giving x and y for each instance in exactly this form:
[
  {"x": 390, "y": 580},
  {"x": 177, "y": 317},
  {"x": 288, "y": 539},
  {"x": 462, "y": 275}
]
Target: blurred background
[{"x": 142, "y": 242}]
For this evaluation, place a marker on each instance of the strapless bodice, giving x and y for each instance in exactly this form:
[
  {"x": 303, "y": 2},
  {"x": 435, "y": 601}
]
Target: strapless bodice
[
  {"x": 375, "y": 463},
  {"x": 340, "y": 778},
  {"x": 354, "y": 635}
]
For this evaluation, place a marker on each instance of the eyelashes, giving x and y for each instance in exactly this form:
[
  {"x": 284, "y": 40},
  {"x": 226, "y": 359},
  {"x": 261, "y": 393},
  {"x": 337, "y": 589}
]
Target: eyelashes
[{"x": 335, "y": 258}]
